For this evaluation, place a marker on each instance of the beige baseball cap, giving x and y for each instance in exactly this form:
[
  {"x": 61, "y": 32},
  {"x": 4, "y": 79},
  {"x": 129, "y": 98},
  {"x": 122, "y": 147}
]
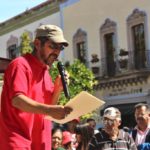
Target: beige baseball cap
[{"x": 54, "y": 33}]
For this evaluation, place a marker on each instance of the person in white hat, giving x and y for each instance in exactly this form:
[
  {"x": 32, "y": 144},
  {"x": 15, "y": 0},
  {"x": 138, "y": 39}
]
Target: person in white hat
[
  {"x": 111, "y": 137},
  {"x": 29, "y": 94}
]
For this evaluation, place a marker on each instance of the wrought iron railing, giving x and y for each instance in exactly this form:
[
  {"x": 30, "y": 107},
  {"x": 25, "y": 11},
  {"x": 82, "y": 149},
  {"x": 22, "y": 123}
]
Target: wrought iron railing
[{"x": 115, "y": 65}]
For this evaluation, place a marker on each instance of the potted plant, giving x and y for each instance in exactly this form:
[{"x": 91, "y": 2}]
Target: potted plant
[
  {"x": 123, "y": 52},
  {"x": 123, "y": 63}
]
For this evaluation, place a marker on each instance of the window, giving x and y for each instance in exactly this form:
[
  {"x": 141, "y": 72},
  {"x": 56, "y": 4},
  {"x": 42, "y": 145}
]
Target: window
[
  {"x": 108, "y": 48},
  {"x": 12, "y": 47},
  {"x": 81, "y": 52},
  {"x": 139, "y": 46},
  {"x": 136, "y": 27},
  {"x": 80, "y": 46},
  {"x": 12, "y": 51}
]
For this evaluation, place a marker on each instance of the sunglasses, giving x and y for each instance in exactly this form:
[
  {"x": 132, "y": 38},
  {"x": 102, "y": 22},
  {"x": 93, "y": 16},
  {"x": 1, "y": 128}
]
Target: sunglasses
[
  {"x": 57, "y": 46},
  {"x": 108, "y": 121}
]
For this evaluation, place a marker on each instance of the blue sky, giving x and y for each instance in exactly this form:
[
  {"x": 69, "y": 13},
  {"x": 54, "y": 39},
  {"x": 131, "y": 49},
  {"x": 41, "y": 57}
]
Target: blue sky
[{"x": 11, "y": 8}]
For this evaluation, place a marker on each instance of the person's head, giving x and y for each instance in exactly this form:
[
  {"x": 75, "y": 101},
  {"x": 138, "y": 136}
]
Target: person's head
[
  {"x": 67, "y": 140},
  {"x": 91, "y": 122},
  {"x": 83, "y": 134},
  {"x": 72, "y": 124},
  {"x": 142, "y": 115},
  {"x": 57, "y": 137},
  {"x": 111, "y": 120},
  {"x": 48, "y": 43}
]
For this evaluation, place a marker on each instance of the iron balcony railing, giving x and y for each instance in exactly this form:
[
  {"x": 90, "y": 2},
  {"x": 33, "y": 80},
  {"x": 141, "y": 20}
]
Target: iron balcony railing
[{"x": 115, "y": 65}]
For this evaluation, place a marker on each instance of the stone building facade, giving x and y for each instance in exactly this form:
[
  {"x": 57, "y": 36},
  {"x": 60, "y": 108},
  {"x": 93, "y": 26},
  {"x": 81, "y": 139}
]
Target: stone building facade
[{"x": 112, "y": 38}]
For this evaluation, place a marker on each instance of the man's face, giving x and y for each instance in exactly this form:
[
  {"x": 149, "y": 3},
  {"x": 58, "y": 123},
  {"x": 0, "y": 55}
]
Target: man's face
[
  {"x": 49, "y": 52},
  {"x": 110, "y": 125},
  {"x": 141, "y": 116}
]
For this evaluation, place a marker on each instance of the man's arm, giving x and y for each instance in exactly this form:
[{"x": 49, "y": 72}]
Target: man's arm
[{"x": 26, "y": 104}]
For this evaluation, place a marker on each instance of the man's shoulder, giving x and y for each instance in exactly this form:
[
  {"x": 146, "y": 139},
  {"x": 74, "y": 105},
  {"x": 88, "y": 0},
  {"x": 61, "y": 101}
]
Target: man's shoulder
[
  {"x": 124, "y": 134},
  {"x": 19, "y": 60},
  {"x": 101, "y": 135}
]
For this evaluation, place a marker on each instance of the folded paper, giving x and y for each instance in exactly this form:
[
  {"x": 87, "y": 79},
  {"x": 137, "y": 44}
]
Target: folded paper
[{"x": 81, "y": 104}]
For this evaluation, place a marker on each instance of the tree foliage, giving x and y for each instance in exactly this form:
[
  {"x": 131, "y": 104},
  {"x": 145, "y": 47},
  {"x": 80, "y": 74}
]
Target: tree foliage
[
  {"x": 25, "y": 46},
  {"x": 81, "y": 79}
]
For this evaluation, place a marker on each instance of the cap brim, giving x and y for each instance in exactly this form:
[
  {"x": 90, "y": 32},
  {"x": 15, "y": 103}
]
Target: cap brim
[
  {"x": 110, "y": 117},
  {"x": 59, "y": 40}
]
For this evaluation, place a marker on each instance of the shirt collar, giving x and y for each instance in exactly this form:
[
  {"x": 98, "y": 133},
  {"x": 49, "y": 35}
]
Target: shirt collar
[
  {"x": 120, "y": 135},
  {"x": 31, "y": 58},
  {"x": 148, "y": 127}
]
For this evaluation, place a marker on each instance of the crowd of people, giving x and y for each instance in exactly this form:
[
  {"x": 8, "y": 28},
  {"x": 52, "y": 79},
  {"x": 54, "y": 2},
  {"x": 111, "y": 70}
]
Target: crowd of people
[
  {"x": 84, "y": 136},
  {"x": 29, "y": 94}
]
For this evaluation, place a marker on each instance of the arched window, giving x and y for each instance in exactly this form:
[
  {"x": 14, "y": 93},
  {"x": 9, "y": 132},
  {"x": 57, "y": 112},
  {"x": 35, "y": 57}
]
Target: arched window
[
  {"x": 108, "y": 48},
  {"x": 12, "y": 47},
  {"x": 136, "y": 29},
  {"x": 80, "y": 46}
]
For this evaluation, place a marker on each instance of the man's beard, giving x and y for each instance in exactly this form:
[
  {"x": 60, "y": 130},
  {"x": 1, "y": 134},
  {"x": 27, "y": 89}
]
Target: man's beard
[{"x": 50, "y": 59}]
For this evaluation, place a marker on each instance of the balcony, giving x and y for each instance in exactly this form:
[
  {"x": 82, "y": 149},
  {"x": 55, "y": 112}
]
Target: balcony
[{"x": 131, "y": 67}]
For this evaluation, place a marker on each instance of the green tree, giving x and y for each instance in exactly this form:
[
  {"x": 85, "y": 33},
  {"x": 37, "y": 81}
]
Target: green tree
[
  {"x": 81, "y": 79},
  {"x": 25, "y": 46}
]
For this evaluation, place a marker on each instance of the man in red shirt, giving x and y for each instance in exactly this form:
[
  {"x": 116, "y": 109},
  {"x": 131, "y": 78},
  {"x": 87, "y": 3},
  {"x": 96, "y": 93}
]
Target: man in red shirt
[{"x": 29, "y": 94}]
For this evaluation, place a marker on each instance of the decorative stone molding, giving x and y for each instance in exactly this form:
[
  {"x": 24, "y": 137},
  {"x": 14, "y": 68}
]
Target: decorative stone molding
[
  {"x": 12, "y": 41},
  {"x": 79, "y": 36},
  {"x": 123, "y": 82},
  {"x": 108, "y": 26},
  {"x": 136, "y": 16}
]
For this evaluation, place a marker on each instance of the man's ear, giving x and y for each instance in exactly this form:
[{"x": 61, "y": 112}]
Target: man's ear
[{"x": 37, "y": 43}]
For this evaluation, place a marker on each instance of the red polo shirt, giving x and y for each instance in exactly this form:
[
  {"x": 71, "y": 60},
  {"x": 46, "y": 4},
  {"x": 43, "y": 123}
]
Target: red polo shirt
[{"x": 21, "y": 130}]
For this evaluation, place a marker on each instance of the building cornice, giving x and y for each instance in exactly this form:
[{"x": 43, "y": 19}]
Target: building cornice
[
  {"x": 29, "y": 16},
  {"x": 124, "y": 80}
]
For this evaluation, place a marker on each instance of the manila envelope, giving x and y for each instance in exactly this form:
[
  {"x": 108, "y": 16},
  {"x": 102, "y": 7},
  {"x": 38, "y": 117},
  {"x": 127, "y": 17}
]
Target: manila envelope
[{"x": 81, "y": 104}]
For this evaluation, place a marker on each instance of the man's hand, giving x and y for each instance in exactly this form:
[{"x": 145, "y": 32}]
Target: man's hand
[{"x": 58, "y": 112}]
